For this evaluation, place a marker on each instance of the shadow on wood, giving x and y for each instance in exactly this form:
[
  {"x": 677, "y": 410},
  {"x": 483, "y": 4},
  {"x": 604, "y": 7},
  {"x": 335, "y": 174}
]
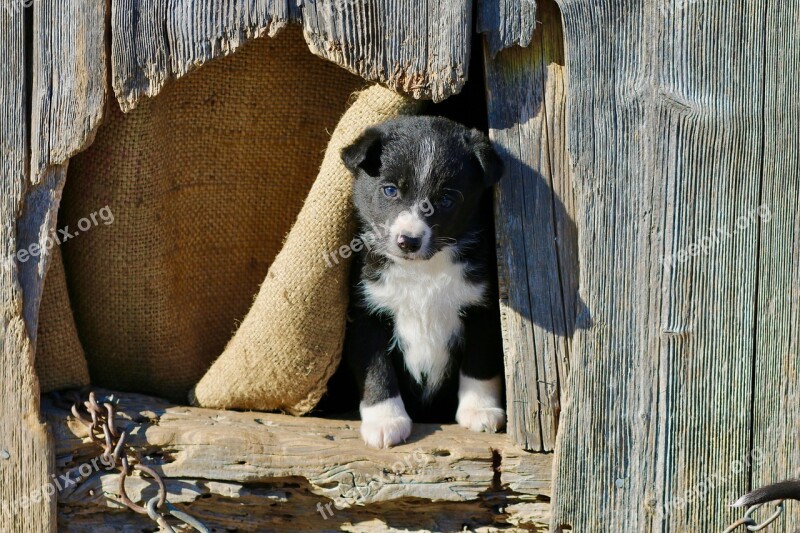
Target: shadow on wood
[{"x": 536, "y": 233}]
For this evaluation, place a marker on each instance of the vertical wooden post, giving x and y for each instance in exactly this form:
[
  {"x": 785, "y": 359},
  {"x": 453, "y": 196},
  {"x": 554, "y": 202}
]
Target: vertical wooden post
[
  {"x": 675, "y": 144},
  {"x": 536, "y": 236},
  {"x": 66, "y": 44},
  {"x": 26, "y": 455},
  {"x": 776, "y": 381}
]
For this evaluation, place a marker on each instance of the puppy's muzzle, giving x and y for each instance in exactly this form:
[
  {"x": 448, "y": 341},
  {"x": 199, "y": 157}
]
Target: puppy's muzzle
[
  {"x": 409, "y": 244},
  {"x": 409, "y": 236}
]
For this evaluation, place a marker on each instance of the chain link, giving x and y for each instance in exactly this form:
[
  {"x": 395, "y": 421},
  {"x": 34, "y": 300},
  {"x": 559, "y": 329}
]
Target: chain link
[
  {"x": 100, "y": 422},
  {"x": 752, "y": 525}
]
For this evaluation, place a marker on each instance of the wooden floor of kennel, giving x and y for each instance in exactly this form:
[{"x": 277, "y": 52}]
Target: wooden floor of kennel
[{"x": 630, "y": 128}]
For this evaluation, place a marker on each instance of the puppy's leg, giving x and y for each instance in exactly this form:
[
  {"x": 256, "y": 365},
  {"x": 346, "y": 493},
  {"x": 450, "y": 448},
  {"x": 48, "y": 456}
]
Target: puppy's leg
[
  {"x": 480, "y": 387},
  {"x": 384, "y": 421}
]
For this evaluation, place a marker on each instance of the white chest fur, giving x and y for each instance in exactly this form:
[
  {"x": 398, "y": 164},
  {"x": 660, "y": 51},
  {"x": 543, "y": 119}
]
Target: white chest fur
[{"x": 425, "y": 298}]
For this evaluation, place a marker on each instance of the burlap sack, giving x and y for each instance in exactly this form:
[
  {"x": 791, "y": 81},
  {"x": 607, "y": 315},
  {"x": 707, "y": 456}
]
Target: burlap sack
[
  {"x": 290, "y": 342},
  {"x": 60, "y": 363},
  {"x": 204, "y": 181}
]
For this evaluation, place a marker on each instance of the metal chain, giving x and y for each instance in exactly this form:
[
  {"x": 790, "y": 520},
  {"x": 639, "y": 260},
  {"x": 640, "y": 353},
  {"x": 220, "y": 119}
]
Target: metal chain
[
  {"x": 104, "y": 433},
  {"x": 752, "y": 525}
]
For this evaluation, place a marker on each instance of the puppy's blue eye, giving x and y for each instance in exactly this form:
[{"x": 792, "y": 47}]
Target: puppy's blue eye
[
  {"x": 445, "y": 202},
  {"x": 390, "y": 191}
]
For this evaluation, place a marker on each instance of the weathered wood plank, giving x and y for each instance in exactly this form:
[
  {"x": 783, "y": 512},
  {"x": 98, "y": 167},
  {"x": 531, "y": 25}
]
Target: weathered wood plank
[
  {"x": 507, "y": 23},
  {"x": 25, "y": 454},
  {"x": 776, "y": 422},
  {"x": 667, "y": 157},
  {"x": 288, "y": 506},
  {"x": 537, "y": 242},
  {"x": 38, "y": 222},
  {"x": 421, "y": 48},
  {"x": 216, "y": 460},
  {"x": 156, "y": 40},
  {"x": 69, "y": 79},
  {"x": 67, "y": 105}
]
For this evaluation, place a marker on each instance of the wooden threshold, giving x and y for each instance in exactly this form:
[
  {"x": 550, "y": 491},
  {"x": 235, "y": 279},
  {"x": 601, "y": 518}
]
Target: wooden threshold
[{"x": 253, "y": 471}]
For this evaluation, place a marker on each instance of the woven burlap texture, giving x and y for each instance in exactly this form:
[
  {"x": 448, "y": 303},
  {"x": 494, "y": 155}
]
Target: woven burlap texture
[
  {"x": 204, "y": 182},
  {"x": 290, "y": 343},
  {"x": 60, "y": 363}
]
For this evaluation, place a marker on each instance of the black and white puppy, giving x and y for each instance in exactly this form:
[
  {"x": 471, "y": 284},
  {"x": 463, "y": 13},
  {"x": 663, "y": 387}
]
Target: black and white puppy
[{"x": 424, "y": 316}]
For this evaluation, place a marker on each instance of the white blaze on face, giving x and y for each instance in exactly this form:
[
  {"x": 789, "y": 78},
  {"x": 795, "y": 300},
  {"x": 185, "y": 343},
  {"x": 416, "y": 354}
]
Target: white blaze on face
[{"x": 411, "y": 224}]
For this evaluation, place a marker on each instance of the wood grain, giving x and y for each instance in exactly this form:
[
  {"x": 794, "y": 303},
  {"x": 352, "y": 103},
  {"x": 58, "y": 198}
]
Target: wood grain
[
  {"x": 155, "y": 41},
  {"x": 419, "y": 47},
  {"x": 69, "y": 79},
  {"x": 666, "y": 129},
  {"x": 38, "y": 221},
  {"x": 218, "y": 460},
  {"x": 536, "y": 237},
  {"x": 25, "y": 454},
  {"x": 776, "y": 382},
  {"x": 506, "y": 23}
]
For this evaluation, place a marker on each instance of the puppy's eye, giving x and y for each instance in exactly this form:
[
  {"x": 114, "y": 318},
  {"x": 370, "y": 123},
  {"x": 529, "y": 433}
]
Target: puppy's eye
[
  {"x": 390, "y": 191},
  {"x": 445, "y": 202}
]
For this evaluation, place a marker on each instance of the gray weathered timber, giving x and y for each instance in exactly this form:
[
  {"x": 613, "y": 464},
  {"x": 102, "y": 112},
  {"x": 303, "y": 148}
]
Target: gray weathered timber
[
  {"x": 69, "y": 79},
  {"x": 536, "y": 239},
  {"x": 38, "y": 221},
  {"x": 158, "y": 40},
  {"x": 776, "y": 385},
  {"x": 274, "y": 468},
  {"x": 420, "y": 47},
  {"x": 666, "y": 133},
  {"x": 507, "y": 22},
  {"x": 25, "y": 454}
]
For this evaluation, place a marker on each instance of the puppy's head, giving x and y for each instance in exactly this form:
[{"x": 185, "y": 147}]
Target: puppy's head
[{"x": 418, "y": 181}]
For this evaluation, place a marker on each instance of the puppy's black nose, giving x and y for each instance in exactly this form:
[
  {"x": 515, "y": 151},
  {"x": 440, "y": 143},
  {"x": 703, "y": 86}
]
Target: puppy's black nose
[{"x": 408, "y": 244}]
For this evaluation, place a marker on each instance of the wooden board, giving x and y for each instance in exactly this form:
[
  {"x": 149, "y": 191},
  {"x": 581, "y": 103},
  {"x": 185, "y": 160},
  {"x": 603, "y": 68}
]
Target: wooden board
[
  {"x": 68, "y": 73},
  {"x": 536, "y": 236},
  {"x": 69, "y": 79},
  {"x": 419, "y": 47},
  {"x": 776, "y": 385},
  {"x": 666, "y": 134},
  {"x": 155, "y": 41},
  {"x": 423, "y": 51},
  {"x": 506, "y": 23},
  {"x": 25, "y": 454},
  {"x": 38, "y": 221},
  {"x": 276, "y": 468}
]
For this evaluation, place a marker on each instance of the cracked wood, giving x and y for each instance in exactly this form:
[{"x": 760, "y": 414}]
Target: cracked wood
[{"x": 253, "y": 458}]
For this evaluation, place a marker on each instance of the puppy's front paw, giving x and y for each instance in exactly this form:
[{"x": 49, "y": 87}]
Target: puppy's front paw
[
  {"x": 385, "y": 424},
  {"x": 479, "y": 404},
  {"x": 489, "y": 419},
  {"x": 386, "y": 433}
]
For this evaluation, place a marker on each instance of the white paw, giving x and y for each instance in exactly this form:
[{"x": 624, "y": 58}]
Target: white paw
[
  {"x": 479, "y": 404},
  {"x": 385, "y": 424},
  {"x": 489, "y": 419},
  {"x": 386, "y": 433}
]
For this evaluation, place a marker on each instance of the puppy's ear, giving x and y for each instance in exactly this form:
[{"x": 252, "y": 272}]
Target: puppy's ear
[
  {"x": 365, "y": 153},
  {"x": 493, "y": 167}
]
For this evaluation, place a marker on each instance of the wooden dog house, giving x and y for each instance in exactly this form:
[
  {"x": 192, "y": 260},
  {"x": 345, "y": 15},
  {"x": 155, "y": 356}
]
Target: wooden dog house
[{"x": 652, "y": 373}]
